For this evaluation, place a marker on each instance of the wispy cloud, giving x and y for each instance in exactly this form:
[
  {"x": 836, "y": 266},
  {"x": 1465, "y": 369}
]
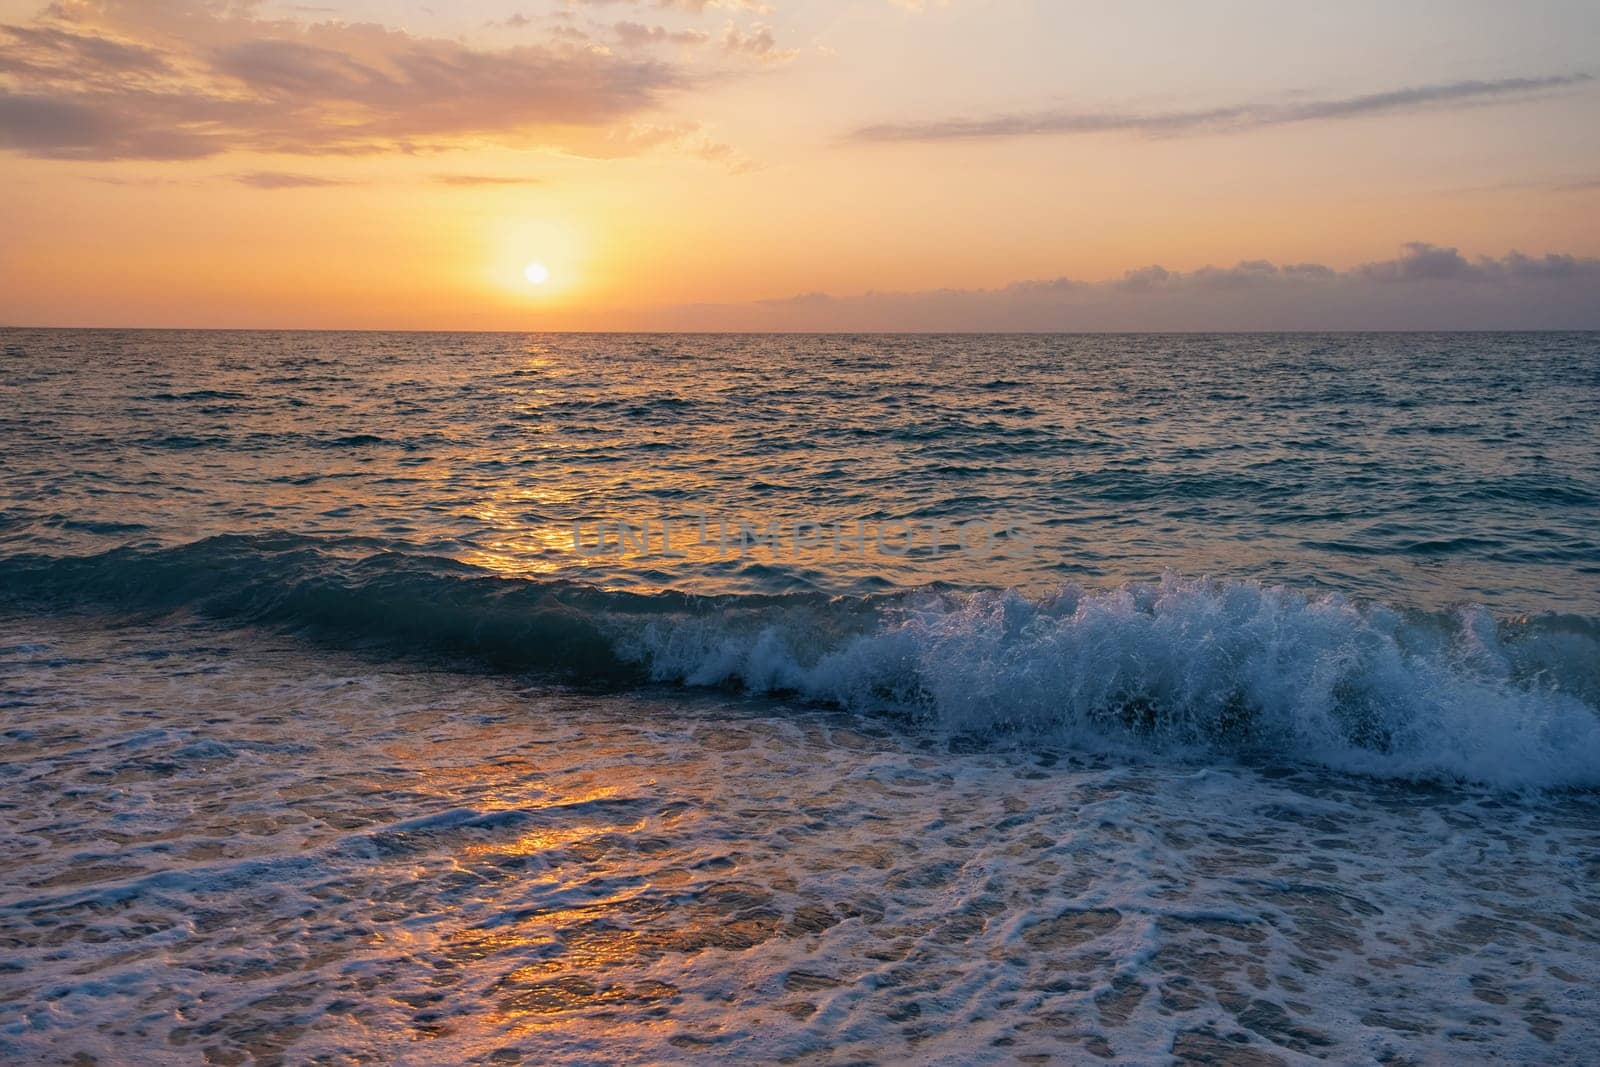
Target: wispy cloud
[
  {"x": 637, "y": 34},
  {"x": 1222, "y": 119},
  {"x": 484, "y": 179},
  {"x": 692, "y": 6},
  {"x": 277, "y": 179}
]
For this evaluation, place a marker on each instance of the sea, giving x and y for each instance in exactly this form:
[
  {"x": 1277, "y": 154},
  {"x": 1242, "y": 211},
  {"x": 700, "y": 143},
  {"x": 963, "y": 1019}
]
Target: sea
[{"x": 805, "y": 699}]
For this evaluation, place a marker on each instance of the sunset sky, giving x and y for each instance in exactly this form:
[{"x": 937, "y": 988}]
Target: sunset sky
[{"x": 801, "y": 165}]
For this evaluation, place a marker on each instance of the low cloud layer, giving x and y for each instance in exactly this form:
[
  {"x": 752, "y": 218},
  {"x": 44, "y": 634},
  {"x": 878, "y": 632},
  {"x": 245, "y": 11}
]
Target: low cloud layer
[
  {"x": 1427, "y": 287},
  {"x": 1220, "y": 120},
  {"x": 187, "y": 79}
]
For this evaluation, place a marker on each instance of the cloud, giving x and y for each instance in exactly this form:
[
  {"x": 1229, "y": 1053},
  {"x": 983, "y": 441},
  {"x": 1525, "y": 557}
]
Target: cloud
[
  {"x": 1425, "y": 287},
  {"x": 277, "y": 179},
  {"x": 686, "y": 138},
  {"x": 1548, "y": 184},
  {"x": 758, "y": 41},
  {"x": 637, "y": 34},
  {"x": 43, "y": 51},
  {"x": 186, "y": 79},
  {"x": 694, "y": 7},
  {"x": 1220, "y": 120},
  {"x": 484, "y": 179}
]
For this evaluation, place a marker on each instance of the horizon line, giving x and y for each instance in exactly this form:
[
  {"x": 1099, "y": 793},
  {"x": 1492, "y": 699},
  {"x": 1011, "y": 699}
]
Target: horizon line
[{"x": 800, "y": 333}]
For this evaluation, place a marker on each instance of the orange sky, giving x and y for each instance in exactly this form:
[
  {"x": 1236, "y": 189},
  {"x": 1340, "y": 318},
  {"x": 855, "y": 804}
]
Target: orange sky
[{"x": 385, "y": 166}]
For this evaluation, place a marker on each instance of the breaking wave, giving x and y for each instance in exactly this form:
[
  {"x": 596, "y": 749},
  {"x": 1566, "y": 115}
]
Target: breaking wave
[{"x": 1181, "y": 665}]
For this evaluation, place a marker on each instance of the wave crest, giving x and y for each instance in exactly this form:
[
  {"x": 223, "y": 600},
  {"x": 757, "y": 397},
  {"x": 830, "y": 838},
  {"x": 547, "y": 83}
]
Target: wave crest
[
  {"x": 1184, "y": 663},
  {"x": 1177, "y": 665}
]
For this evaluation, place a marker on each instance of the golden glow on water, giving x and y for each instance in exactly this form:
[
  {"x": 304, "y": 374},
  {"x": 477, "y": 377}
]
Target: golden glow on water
[
  {"x": 1129, "y": 456},
  {"x": 539, "y": 841}
]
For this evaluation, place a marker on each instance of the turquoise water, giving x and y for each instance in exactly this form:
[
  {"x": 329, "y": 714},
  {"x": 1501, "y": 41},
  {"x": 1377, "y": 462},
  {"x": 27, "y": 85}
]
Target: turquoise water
[{"x": 1162, "y": 697}]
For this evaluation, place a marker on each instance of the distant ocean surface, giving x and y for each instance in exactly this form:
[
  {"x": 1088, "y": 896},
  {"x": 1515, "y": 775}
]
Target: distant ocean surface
[{"x": 496, "y": 698}]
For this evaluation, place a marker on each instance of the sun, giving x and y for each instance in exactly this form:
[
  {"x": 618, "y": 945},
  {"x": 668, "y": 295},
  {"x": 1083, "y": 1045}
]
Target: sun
[{"x": 536, "y": 273}]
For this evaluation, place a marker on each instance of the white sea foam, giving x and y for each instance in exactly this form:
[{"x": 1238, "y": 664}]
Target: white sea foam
[
  {"x": 225, "y": 847},
  {"x": 1189, "y": 664}
]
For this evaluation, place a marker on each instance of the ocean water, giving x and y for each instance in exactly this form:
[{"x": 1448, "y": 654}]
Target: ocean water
[{"x": 506, "y": 698}]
